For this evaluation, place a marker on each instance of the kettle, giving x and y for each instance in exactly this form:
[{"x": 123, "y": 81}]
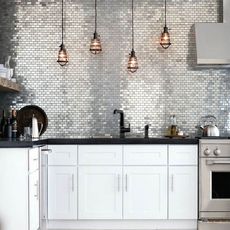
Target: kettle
[
  {"x": 35, "y": 131},
  {"x": 210, "y": 129}
]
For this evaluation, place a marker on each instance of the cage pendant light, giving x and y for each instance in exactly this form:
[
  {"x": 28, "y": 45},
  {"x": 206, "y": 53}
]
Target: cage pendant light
[
  {"x": 132, "y": 62},
  {"x": 165, "y": 37},
  {"x": 62, "y": 54},
  {"x": 95, "y": 45}
]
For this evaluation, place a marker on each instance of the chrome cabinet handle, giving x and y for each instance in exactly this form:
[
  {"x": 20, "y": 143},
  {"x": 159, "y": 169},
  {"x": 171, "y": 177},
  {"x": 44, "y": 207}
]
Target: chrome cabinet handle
[
  {"x": 215, "y": 162},
  {"x": 118, "y": 183},
  {"x": 73, "y": 182},
  {"x": 37, "y": 188},
  {"x": 172, "y": 183},
  {"x": 126, "y": 182}
]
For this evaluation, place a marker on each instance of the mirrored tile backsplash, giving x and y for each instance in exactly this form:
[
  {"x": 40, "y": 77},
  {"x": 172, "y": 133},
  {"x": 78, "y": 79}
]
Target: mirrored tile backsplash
[{"x": 79, "y": 98}]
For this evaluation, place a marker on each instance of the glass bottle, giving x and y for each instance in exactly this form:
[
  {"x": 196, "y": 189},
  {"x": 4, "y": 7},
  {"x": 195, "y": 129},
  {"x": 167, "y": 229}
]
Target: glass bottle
[
  {"x": 8, "y": 131},
  {"x": 14, "y": 124},
  {"x": 3, "y": 124},
  {"x": 173, "y": 125}
]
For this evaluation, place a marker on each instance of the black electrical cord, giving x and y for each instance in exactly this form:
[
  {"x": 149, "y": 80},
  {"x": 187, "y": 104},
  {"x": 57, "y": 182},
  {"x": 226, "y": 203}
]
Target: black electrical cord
[
  {"x": 62, "y": 21},
  {"x": 132, "y": 28},
  {"x": 95, "y": 16}
]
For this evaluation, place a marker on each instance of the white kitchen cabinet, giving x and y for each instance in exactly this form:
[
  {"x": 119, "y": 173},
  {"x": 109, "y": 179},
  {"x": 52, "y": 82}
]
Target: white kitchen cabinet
[
  {"x": 44, "y": 153},
  {"x": 34, "y": 216},
  {"x": 145, "y": 186},
  {"x": 183, "y": 192},
  {"x": 61, "y": 182},
  {"x": 183, "y": 203},
  {"x": 100, "y": 192},
  {"x": 13, "y": 188},
  {"x": 62, "y": 192},
  {"x": 145, "y": 192},
  {"x": 121, "y": 187},
  {"x": 34, "y": 189}
]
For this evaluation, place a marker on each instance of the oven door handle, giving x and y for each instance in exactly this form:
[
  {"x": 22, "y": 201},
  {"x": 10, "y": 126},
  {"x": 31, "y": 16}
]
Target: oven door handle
[{"x": 216, "y": 162}]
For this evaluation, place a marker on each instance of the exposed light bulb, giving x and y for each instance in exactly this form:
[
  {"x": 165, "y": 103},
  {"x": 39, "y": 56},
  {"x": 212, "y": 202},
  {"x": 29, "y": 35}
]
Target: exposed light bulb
[
  {"x": 95, "y": 45},
  {"x": 132, "y": 63},
  {"x": 62, "y": 55},
  {"x": 165, "y": 38}
]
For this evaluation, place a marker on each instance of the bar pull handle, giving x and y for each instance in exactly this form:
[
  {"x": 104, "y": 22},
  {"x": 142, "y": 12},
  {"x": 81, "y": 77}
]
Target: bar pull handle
[
  {"x": 215, "y": 162},
  {"x": 37, "y": 190},
  {"x": 73, "y": 182},
  {"x": 118, "y": 183},
  {"x": 126, "y": 182},
  {"x": 172, "y": 183}
]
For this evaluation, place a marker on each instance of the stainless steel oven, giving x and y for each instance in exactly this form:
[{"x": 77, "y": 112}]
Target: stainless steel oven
[{"x": 214, "y": 184}]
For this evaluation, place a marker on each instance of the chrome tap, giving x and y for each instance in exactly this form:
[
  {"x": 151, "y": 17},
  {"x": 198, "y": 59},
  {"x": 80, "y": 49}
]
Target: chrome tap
[{"x": 123, "y": 129}]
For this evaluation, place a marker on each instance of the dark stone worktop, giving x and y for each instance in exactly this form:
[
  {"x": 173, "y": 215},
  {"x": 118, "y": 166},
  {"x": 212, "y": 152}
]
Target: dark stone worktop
[
  {"x": 9, "y": 143},
  {"x": 12, "y": 143}
]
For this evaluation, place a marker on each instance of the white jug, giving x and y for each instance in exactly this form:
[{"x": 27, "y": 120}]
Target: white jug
[{"x": 35, "y": 132}]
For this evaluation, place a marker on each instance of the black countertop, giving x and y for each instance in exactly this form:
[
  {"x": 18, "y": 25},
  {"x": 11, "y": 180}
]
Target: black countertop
[
  {"x": 124, "y": 141},
  {"x": 15, "y": 143},
  {"x": 10, "y": 143}
]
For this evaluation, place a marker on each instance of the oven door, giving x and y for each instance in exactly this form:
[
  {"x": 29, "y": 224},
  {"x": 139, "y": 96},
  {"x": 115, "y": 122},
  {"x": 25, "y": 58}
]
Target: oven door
[{"x": 215, "y": 185}]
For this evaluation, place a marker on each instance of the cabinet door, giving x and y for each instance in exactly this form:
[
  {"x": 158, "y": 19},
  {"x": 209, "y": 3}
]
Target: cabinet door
[
  {"x": 145, "y": 192},
  {"x": 62, "y": 192},
  {"x": 13, "y": 189},
  {"x": 43, "y": 152},
  {"x": 100, "y": 192},
  {"x": 183, "y": 192},
  {"x": 34, "y": 216}
]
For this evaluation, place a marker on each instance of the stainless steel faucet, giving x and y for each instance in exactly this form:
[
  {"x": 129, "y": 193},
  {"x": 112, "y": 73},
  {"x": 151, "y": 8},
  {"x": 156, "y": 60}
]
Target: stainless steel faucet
[{"x": 123, "y": 129}]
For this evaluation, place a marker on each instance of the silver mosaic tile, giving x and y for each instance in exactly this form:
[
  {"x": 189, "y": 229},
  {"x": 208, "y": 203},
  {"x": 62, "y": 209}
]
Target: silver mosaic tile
[{"x": 79, "y": 99}]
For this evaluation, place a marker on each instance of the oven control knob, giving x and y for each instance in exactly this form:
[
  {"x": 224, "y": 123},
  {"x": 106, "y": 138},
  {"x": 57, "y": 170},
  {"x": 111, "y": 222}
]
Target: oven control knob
[
  {"x": 207, "y": 152},
  {"x": 217, "y": 152}
]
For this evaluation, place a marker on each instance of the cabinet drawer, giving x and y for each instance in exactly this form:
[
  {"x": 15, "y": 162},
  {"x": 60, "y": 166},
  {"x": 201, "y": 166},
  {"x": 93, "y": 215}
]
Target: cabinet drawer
[
  {"x": 183, "y": 155},
  {"x": 145, "y": 154},
  {"x": 33, "y": 159},
  {"x": 100, "y": 154},
  {"x": 62, "y": 155}
]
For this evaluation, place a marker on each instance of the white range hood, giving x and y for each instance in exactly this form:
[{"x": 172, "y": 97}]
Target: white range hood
[{"x": 213, "y": 41}]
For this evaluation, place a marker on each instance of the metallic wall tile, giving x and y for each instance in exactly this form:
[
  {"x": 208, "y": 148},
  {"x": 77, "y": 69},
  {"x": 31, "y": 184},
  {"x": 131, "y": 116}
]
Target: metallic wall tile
[{"x": 79, "y": 99}]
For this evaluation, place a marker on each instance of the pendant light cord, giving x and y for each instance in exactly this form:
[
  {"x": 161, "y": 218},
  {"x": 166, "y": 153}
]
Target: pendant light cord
[
  {"x": 132, "y": 28},
  {"x": 62, "y": 19},
  {"x": 95, "y": 16},
  {"x": 165, "y": 14}
]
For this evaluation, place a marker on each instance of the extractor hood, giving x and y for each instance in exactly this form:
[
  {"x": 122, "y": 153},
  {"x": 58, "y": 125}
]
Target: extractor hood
[{"x": 213, "y": 41}]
